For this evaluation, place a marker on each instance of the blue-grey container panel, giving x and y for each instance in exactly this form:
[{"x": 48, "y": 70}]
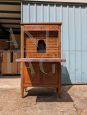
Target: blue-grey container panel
[{"x": 74, "y": 35}]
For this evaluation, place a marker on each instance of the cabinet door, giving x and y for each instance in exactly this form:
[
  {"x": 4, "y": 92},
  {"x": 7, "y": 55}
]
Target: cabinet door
[
  {"x": 50, "y": 75},
  {"x": 31, "y": 71}
]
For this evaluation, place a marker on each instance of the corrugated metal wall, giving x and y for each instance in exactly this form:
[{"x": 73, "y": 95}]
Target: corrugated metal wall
[{"x": 74, "y": 35}]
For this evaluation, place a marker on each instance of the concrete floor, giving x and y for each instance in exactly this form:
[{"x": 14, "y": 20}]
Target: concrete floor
[{"x": 42, "y": 101}]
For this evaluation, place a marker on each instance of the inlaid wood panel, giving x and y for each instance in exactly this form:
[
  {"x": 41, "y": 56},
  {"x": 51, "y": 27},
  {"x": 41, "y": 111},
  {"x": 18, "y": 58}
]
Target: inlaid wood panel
[{"x": 31, "y": 72}]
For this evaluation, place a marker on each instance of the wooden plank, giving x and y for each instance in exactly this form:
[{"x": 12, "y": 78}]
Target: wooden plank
[
  {"x": 41, "y": 55},
  {"x": 40, "y": 23},
  {"x": 41, "y": 28},
  {"x": 40, "y": 60}
]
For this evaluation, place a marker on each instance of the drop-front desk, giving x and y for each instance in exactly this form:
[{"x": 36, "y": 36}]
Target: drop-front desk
[{"x": 41, "y": 55}]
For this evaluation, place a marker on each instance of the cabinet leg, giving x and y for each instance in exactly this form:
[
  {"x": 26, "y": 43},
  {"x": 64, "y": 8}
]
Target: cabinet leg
[
  {"x": 22, "y": 92},
  {"x": 58, "y": 90}
]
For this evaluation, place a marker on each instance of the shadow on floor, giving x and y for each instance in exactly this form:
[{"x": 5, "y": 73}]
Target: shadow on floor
[
  {"x": 10, "y": 76},
  {"x": 50, "y": 94}
]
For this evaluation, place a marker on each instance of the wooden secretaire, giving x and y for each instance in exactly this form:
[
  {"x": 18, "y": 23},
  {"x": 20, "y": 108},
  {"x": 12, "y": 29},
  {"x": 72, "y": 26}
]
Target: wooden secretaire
[{"x": 40, "y": 55}]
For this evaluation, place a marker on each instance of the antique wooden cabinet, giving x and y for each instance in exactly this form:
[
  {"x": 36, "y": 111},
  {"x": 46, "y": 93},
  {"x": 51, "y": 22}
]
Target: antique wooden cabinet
[{"x": 41, "y": 55}]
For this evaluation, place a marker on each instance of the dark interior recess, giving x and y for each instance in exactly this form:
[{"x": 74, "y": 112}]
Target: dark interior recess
[{"x": 41, "y": 47}]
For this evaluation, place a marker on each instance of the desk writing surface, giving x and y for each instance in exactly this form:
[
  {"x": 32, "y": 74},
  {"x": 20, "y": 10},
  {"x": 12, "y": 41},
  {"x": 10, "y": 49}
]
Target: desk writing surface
[{"x": 40, "y": 60}]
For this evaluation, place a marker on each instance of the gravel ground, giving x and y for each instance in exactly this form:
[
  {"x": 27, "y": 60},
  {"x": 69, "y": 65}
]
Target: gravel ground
[{"x": 42, "y": 101}]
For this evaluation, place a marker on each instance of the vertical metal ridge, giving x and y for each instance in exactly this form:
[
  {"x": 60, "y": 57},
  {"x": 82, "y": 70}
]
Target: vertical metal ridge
[
  {"x": 75, "y": 42},
  {"x": 81, "y": 39},
  {"x": 86, "y": 35},
  {"x": 35, "y": 12},
  {"x": 55, "y": 13},
  {"x": 68, "y": 51},
  {"x": 29, "y": 12},
  {"x": 81, "y": 42},
  {"x": 48, "y": 13},
  {"x": 68, "y": 41},
  {"x": 42, "y": 13}
]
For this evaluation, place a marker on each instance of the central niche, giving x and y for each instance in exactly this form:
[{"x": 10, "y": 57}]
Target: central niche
[{"x": 41, "y": 46}]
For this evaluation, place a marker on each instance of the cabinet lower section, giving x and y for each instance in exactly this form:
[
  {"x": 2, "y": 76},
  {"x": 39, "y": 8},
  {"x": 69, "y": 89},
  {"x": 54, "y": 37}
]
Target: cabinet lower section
[{"x": 46, "y": 74}]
